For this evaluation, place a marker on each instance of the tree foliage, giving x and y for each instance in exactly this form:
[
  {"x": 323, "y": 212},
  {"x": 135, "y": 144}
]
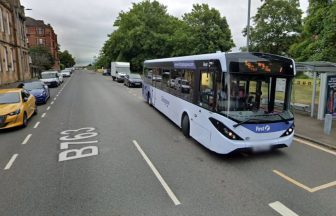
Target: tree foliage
[
  {"x": 147, "y": 31},
  {"x": 318, "y": 40},
  {"x": 41, "y": 57},
  {"x": 277, "y": 26},
  {"x": 66, "y": 59},
  {"x": 208, "y": 31}
]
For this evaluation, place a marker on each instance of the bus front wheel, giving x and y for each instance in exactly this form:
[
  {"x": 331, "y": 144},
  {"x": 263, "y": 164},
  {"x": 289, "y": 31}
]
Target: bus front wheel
[
  {"x": 148, "y": 98},
  {"x": 185, "y": 125}
]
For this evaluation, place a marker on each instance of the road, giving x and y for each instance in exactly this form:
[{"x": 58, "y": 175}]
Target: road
[{"x": 131, "y": 160}]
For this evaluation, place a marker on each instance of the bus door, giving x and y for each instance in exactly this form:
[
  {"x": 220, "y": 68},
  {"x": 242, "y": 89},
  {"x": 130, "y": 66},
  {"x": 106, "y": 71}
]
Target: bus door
[{"x": 205, "y": 102}]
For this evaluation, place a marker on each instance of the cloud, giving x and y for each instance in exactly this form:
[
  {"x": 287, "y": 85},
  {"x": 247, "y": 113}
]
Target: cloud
[{"x": 82, "y": 26}]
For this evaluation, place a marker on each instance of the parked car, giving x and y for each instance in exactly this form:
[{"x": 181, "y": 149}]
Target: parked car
[
  {"x": 16, "y": 107},
  {"x": 106, "y": 72},
  {"x": 39, "y": 90},
  {"x": 50, "y": 78},
  {"x": 60, "y": 77},
  {"x": 133, "y": 80},
  {"x": 66, "y": 73}
]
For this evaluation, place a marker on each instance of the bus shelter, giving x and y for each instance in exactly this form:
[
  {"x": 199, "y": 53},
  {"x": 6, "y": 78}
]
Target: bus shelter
[{"x": 327, "y": 73}]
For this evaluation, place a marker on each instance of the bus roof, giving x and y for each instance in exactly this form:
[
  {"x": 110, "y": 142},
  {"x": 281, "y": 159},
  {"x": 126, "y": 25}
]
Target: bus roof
[
  {"x": 211, "y": 56},
  {"x": 223, "y": 58}
]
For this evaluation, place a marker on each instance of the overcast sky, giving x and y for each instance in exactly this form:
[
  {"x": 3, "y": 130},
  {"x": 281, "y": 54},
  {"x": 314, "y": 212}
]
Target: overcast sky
[{"x": 82, "y": 26}]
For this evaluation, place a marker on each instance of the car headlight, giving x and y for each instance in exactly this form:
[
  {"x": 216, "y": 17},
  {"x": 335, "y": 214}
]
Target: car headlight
[{"x": 14, "y": 113}]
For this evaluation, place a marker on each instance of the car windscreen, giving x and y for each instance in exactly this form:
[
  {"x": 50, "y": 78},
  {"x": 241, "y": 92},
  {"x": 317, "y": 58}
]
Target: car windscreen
[
  {"x": 48, "y": 75},
  {"x": 135, "y": 76},
  {"x": 9, "y": 98},
  {"x": 33, "y": 85}
]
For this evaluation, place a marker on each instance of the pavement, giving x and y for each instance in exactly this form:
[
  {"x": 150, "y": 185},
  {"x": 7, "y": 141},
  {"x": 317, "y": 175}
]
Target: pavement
[
  {"x": 311, "y": 129},
  {"x": 97, "y": 148}
]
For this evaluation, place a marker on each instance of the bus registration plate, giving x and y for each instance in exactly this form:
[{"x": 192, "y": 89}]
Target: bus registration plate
[{"x": 262, "y": 148}]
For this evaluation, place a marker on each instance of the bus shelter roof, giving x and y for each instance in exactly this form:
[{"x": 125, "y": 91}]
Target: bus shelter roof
[{"x": 316, "y": 66}]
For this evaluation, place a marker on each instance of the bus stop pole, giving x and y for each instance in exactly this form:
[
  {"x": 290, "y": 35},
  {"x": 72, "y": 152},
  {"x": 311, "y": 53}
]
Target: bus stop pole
[{"x": 313, "y": 97}]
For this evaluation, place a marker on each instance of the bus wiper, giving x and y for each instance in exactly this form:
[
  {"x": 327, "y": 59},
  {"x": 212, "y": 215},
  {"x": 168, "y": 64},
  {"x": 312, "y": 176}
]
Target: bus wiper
[
  {"x": 243, "y": 122},
  {"x": 283, "y": 118}
]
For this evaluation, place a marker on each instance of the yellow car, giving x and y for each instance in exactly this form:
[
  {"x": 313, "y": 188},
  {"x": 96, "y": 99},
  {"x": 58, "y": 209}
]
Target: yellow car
[{"x": 16, "y": 107}]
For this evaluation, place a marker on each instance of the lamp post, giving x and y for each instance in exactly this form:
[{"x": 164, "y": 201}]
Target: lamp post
[{"x": 248, "y": 26}]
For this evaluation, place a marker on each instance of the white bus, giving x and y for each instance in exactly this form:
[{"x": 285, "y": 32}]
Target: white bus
[{"x": 232, "y": 102}]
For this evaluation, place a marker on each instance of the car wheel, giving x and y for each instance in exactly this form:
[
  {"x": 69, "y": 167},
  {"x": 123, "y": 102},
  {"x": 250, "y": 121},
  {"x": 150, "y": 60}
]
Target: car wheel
[
  {"x": 25, "y": 120},
  {"x": 185, "y": 125}
]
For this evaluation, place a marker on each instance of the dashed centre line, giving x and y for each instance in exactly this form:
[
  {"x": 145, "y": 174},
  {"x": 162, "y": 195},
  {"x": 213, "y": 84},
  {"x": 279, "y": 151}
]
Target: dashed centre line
[
  {"x": 10, "y": 162},
  {"x": 282, "y": 209},
  {"x": 48, "y": 108},
  {"x": 43, "y": 115},
  {"x": 37, "y": 124},
  {"x": 157, "y": 174},
  {"x": 26, "y": 139},
  {"x": 52, "y": 102}
]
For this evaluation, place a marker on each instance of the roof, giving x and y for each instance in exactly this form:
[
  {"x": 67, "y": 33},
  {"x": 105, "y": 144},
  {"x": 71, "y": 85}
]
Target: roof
[
  {"x": 33, "y": 22},
  {"x": 220, "y": 56},
  {"x": 9, "y": 90},
  {"x": 316, "y": 66}
]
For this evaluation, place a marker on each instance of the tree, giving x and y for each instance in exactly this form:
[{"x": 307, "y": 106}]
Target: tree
[
  {"x": 147, "y": 31},
  {"x": 277, "y": 26},
  {"x": 318, "y": 40},
  {"x": 208, "y": 31},
  {"x": 66, "y": 59},
  {"x": 41, "y": 57}
]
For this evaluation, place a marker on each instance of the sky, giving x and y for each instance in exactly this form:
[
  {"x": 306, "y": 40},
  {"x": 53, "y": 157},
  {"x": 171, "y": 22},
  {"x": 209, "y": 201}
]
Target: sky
[{"x": 82, "y": 26}]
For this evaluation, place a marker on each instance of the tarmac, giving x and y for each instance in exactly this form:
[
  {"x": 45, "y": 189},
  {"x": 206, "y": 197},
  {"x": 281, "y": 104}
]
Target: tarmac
[{"x": 312, "y": 129}]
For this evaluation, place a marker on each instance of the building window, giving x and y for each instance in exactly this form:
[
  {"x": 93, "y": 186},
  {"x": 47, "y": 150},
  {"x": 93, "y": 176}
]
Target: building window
[
  {"x": 40, "y": 41},
  {"x": 8, "y": 28},
  {"x": 12, "y": 59},
  {"x": 6, "y": 58},
  {"x": 1, "y": 21},
  {"x": 40, "y": 31}
]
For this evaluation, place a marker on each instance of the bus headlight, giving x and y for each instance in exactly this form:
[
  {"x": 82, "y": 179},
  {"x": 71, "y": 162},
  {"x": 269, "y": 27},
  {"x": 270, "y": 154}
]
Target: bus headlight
[
  {"x": 224, "y": 130},
  {"x": 289, "y": 131}
]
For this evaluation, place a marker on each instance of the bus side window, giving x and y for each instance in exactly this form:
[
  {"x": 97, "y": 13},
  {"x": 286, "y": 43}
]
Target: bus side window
[
  {"x": 187, "y": 84},
  {"x": 165, "y": 80},
  {"x": 206, "y": 98},
  {"x": 157, "y": 77}
]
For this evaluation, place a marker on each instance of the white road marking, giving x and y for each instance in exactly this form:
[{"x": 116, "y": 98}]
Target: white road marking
[
  {"x": 48, "y": 108},
  {"x": 282, "y": 209},
  {"x": 10, "y": 162},
  {"x": 26, "y": 139},
  {"x": 55, "y": 98},
  {"x": 52, "y": 102},
  {"x": 157, "y": 174},
  {"x": 315, "y": 146},
  {"x": 43, "y": 115},
  {"x": 37, "y": 124},
  {"x": 299, "y": 184}
]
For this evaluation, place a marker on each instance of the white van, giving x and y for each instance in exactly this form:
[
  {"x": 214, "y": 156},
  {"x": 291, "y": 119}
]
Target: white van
[
  {"x": 119, "y": 70},
  {"x": 51, "y": 78}
]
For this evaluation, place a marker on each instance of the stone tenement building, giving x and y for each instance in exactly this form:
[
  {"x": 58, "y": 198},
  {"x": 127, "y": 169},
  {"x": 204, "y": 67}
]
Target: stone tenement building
[
  {"x": 40, "y": 34},
  {"x": 14, "y": 58}
]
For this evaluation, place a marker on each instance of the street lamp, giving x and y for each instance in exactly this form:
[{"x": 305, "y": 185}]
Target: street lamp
[{"x": 248, "y": 26}]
